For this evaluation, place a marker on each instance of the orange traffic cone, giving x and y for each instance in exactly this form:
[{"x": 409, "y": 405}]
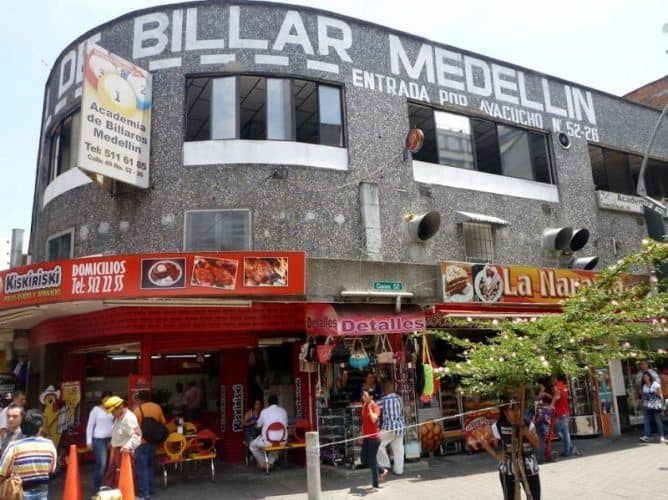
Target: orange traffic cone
[
  {"x": 72, "y": 480},
  {"x": 125, "y": 481}
]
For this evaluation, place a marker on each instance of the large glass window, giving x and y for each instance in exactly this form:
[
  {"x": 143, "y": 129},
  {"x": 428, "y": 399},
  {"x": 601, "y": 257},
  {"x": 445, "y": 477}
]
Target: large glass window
[
  {"x": 59, "y": 247},
  {"x": 474, "y": 144},
  {"x": 251, "y": 107},
  {"x": 217, "y": 230},
  {"x": 65, "y": 145},
  {"x": 618, "y": 172}
]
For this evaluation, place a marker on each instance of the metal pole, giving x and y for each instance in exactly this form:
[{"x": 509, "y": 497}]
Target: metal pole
[
  {"x": 641, "y": 190},
  {"x": 312, "y": 466}
]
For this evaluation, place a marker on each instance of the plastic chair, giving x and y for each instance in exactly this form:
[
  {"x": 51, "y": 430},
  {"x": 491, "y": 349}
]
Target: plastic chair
[
  {"x": 173, "y": 447},
  {"x": 189, "y": 428},
  {"x": 300, "y": 429},
  {"x": 203, "y": 447},
  {"x": 172, "y": 425},
  {"x": 273, "y": 430}
]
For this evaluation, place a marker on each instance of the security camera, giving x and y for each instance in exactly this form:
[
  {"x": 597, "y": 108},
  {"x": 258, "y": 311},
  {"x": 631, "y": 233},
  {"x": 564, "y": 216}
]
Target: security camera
[{"x": 564, "y": 140}]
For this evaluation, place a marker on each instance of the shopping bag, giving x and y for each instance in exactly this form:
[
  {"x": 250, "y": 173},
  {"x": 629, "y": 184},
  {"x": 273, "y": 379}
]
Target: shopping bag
[
  {"x": 384, "y": 353},
  {"x": 325, "y": 351}
]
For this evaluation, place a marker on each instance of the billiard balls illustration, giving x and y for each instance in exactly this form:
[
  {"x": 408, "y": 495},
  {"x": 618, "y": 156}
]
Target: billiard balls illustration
[
  {"x": 116, "y": 94},
  {"x": 97, "y": 65}
]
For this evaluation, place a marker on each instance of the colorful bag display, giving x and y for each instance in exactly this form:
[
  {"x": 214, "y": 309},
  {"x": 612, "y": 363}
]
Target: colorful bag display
[
  {"x": 428, "y": 370},
  {"x": 325, "y": 351},
  {"x": 384, "y": 353},
  {"x": 340, "y": 353},
  {"x": 307, "y": 356},
  {"x": 359, "y": 359}
]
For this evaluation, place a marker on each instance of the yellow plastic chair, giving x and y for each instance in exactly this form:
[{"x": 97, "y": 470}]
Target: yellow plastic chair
[{"x": 174, "y": 448}]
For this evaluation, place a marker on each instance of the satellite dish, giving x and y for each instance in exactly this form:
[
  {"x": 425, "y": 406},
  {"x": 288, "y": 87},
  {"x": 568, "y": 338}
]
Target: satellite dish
[{"x": 414, "y": 140}]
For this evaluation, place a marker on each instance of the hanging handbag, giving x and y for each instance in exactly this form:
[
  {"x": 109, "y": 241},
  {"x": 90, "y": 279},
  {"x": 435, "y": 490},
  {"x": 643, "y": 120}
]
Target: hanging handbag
[
  {"x": 11, "y": 488},
  {"x": 384, "y": 353},
  {"x": 340, "y": 353},
  {"x": 359, "y": 359},
  {"x": 306, "y": 365},
  {"x": 325, "y": 351},
  {"x": 428, "y": 371}
]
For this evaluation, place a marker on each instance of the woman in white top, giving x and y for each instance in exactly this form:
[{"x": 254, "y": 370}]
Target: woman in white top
[
  {"x": 98, "y": 436},
  {"x": 652, "y": 403}
]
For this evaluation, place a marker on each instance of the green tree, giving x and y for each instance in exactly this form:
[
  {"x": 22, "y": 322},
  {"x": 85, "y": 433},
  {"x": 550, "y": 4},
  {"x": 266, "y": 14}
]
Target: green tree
[{"x": 613, "y": 318}]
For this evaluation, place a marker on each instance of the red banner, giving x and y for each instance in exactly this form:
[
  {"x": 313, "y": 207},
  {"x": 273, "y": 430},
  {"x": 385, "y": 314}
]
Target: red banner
[
  {"x": 203, "y": 274},
  {"x": 354, "y": 320}
]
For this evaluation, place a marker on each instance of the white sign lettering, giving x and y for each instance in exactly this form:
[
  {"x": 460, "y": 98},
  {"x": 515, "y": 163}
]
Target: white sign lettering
[{"x": 237, "y": 407}]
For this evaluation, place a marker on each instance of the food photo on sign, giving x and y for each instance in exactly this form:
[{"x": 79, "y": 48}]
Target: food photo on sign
[
  {"x": 457, "y": 282},
  {"x": 265, "y": 271},
  {"x": 214, "y": 273},
  {"x": 163, "y": 273}
]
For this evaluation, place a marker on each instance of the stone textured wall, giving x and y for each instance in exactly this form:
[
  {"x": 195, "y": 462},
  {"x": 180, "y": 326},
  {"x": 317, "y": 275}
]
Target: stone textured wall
[{"x": 318, "y": 210}]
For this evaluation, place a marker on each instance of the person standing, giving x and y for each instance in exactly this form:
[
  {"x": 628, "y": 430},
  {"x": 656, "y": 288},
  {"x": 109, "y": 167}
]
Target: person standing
[
  {"x": 192, "y": 400},
  {"x": 643, "y": 367},
  {"x": 125, "y": 437},
  {"x": 507, "y": 431},
  {"x": 19, "y": 399},
  {"x": 392, "y": 429},
  {"x": 561, "y": 414},
  {"x": 145, "y": 452},
  {"x": 371, "y": 440},
  {"x": 98, "y": 437},
  {"x": 271, "y": 414},
  {"x": 176, "y": 401},
  {"x": 14, "y": 415},
  {"x": 32, "y": 458},
  {"x": 652, "y": 400},
  {"x": 542, "y": 418}
]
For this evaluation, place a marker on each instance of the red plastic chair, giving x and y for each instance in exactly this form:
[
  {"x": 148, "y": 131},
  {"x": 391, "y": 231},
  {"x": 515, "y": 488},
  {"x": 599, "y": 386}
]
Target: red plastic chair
[
  {"x": 300, "y": 429},
  {"x": 273, "y": 430}
]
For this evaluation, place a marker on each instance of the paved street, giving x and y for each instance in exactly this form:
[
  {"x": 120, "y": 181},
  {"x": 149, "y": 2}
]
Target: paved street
[{"x": 612, "y": 468}]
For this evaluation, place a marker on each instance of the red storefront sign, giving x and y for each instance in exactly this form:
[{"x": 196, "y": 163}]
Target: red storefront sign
[
  {"x": 203, "y": 274},
  {"x": 346, "y": 320}
]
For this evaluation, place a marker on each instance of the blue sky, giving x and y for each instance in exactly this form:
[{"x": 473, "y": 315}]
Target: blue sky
[{"x": 614, "y": 46}]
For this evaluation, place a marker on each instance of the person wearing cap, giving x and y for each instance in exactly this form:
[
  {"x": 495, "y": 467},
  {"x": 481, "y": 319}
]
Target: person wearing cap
[
  {"x": 125, "y": 437},
  {"x": 98, "y": 437},
  {"x": 31, "y": 458}
]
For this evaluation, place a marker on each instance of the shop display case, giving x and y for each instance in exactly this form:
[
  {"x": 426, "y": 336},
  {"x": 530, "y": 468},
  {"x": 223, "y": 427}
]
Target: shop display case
[
  {"x": 353, "y": 449},
  {"x": 332, "y": 429},
  {"x": 581, "y": 401},
  {"x": 633, "y": 398}
]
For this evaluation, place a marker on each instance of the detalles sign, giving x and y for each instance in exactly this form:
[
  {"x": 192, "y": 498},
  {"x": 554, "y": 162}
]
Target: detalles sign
[
  {"x": 154, "y": 275},
  {"x": 115, "y": 118},
  {"x": 351, "y": 320},
  {"x": 466, "y": 282}
]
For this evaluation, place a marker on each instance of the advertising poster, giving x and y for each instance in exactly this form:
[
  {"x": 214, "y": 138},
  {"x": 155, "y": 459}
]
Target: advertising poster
[
  {"x": 478, "y": 424},
  {"x": 137, "y": 383},
  {"x": 71, "y": 397},
  {"x": 115, "y": 119}
]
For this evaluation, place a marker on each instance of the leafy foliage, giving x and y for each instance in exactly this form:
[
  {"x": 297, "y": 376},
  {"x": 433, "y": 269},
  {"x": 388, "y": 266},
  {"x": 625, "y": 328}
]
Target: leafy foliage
[{"x": 602, "y": 321}]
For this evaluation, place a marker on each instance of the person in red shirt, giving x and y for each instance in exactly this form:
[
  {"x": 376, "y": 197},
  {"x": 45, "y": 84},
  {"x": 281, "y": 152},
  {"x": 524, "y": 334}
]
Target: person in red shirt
[
  {"x": 371, "y": 440},
  {"x": 562, "y": 415}
]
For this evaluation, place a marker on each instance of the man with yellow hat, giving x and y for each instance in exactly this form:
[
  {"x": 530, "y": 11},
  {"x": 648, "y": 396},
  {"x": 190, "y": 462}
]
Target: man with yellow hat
[{"x": 125, "y": 436}]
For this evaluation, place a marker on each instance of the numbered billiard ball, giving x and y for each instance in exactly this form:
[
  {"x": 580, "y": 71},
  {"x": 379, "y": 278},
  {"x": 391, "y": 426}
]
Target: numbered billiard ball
[
  {"x": 142, "y": 90},
  {"x": 117, "y": 94},
  {"x": 96, "y": 66}
]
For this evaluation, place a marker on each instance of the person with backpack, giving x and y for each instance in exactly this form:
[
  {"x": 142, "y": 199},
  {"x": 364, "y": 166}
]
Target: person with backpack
[{"x": 154, "y": 432}]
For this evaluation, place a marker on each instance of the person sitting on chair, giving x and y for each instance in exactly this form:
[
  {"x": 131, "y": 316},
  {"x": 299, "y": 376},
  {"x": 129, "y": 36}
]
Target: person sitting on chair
[{"x": 272, "y": 414}]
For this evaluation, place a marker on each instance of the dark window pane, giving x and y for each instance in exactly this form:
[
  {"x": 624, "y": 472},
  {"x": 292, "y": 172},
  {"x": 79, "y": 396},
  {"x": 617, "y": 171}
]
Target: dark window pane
[
  {"x": 539, "y": 157},
  {"x": 453, "y": 134},
  {"x": 635, "y": 162},
  {"x": 198, "y": 109},
  {"x": 331, "y": 121},
  {"x": 280, "y": 125},
  {"x": 486, "y": 146},
  {"x": 515, "y": 155},
  {"x": 215, "y": 230},
  {"x": 65, "y": 146},
  {"x": 306, "y": 111},
  {"x": 252, "y": 100},
  {"x": 59, "y": 247},
  {"x": 619, "y": 172},
  {"x": 423, "y": 118},
  {"x": 656, "y": 179},
  {"x": 598, "y": 168}
]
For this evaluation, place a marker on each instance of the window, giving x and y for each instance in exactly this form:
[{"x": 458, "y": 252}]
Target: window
[
  {"x": 217, "y": 230},
  {"x": 474, "y": 144},
  {"x": 59, "y": 247},
  {"x": 64, "y": 153},
  {"x": 478, "y": 241},
  {"x": 618, "y": 172},
  {"x": 258, "y": 108}
]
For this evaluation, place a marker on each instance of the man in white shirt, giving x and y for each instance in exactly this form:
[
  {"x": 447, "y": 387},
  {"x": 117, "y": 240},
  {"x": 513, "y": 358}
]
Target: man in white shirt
[
  {"x": 269, "y": 415},
  {"x": 19, "y": 399},
  {"x": 98, "y": 437}
]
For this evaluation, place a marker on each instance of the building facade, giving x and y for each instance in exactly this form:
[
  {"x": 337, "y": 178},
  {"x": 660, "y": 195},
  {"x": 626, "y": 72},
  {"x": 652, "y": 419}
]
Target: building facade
[{"x": 279, "y": 134}]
